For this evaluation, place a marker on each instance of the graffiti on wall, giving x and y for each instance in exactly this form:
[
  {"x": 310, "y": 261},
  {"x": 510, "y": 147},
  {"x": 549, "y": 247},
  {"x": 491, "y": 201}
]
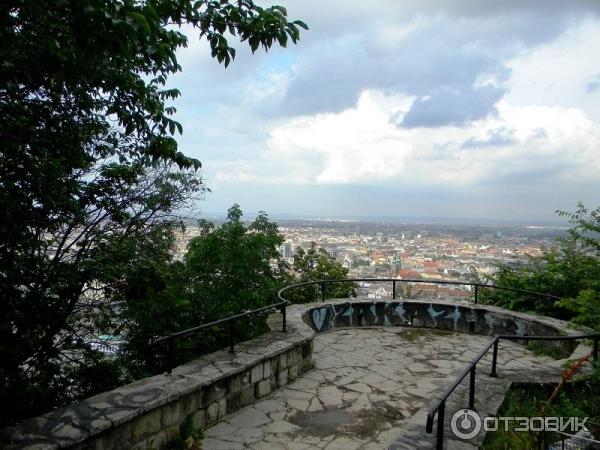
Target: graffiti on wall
[{"x": 453, "y": 317}]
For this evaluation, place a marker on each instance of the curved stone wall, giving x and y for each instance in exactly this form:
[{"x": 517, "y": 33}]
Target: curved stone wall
[{"x": 460, "y": 317}]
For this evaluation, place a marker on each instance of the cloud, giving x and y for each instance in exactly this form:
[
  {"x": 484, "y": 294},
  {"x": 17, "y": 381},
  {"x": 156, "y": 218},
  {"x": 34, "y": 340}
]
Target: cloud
[
  {"x": 593, "y": 84},
  {"x": 451, "y": 107},
  {"x": 446, "y": 101},
  {"x": 500, "y": 137},
  {"x": 362, "y": 145}
]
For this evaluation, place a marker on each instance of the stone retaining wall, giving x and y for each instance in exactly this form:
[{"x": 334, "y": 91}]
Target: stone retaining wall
[{"x": 150, "y": 412}]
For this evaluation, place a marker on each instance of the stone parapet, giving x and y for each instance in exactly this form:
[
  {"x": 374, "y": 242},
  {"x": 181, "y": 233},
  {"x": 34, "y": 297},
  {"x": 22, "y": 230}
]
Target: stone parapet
[{"x": 148, "y": 413}]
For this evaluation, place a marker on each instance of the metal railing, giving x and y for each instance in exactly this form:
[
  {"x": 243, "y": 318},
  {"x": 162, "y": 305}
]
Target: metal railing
[
  {"x": 170, "y": 338},
  {"x": 476, "y": 286},
  {"x": 439, "y": 405}
]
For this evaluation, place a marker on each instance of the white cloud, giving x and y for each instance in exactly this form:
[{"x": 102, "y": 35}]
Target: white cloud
[
  {"x": 362, "y": 145},
  {"x": 559, "y": 72}
]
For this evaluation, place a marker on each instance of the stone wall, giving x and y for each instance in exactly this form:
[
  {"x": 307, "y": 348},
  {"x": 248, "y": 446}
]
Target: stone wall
[
  {"x": 150, "y": 412},
  {"x": 452, "y": 316}
]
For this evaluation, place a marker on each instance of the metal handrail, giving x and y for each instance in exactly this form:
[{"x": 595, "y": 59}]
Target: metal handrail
[
  {"x": 439, "y": 404},
  {"x": 170, "y": 338},
  {"x": 476, "y": 286}
]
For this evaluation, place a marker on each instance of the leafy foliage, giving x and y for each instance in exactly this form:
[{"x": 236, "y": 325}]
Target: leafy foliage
[
  {"x": 227, "y": 270},
  {"x": 317, "y": 264},
  {"x": 90, "y": 173},
  {"x": 570, "y": 271}
]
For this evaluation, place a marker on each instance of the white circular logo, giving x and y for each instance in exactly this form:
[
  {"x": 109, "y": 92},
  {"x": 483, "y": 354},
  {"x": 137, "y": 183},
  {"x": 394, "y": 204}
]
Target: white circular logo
[{"x": 465, "y": 424}]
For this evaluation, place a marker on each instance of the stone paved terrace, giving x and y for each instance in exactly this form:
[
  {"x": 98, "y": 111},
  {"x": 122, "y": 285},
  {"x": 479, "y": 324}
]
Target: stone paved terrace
[
  {"x": 371, "y": 389},
  {"x": 371, "y": 385}
]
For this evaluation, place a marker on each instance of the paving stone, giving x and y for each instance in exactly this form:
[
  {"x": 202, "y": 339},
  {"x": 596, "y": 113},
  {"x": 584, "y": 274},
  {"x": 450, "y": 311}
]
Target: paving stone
[
  {"x": 343, "y": 443},
  {"x": 280, "y": 426},
  {"x": 250, "y": 417},
  {"x": 372, "y": 388},
  {"x": 330, "y": 396}
]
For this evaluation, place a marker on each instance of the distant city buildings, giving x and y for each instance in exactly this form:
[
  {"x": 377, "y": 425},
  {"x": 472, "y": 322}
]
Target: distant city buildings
[{"x": 408, "y": 252}]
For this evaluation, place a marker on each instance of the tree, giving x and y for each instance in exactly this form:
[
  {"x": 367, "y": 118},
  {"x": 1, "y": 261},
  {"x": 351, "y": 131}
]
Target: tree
[
  {"x": 317, "y": 264},
  {"x": 570, "y": 271},
  {"x": 90, "y": 171},
  {"x": 234, "y": 267},
  {"x": 227, "y": 270}
]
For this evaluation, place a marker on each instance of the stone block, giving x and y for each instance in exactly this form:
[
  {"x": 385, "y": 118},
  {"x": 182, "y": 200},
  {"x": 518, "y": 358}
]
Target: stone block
[
  {"x": 146, "y": 425},
  {"x": 233, "y": 402},
  {"x": 306, "y": 349},
  {"x": 122, "y": 434},
  {"x": 199, "y": 419},
  {"x": 263, "y": 388},
  {"x": 289, "y": 358},
  {"x": 222, "y": 408},
  {"x": 307, "y": 364},
  {"x": 247, "y": 395},
  {"x": 171, "y": 414},
  {"x": 257, "y": 373},
  {"x": 213, "y": 393},
  {"x": 156, "y": 442},
  {"x": 274, "y": 382},
  {"x": 234, "y": 384},
  {"x": 245, "y": 376},
  {"x": 190, "y": 403},
  {"x": 212, "y": 412},
  {"x": 282, "y": 362},
  {"x": 292, "y": 372},
  {"x": 283, "y": 377},
  {"x": 267, "y": 369}
]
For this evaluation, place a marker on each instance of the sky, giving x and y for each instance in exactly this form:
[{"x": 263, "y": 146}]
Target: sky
[{"x": 413, "y": 108}]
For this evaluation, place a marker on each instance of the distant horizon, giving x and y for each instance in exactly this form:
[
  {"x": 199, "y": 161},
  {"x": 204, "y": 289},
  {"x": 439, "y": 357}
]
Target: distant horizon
[{"x": 409, "y": 220}]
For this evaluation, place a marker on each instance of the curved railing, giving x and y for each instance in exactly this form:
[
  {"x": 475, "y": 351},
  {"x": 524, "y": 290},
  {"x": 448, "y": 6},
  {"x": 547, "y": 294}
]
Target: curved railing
[{"x": 395, "y": 281}]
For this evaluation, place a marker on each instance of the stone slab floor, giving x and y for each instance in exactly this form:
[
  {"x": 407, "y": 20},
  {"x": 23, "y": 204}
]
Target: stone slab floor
[{"x": 370, "y": 389}]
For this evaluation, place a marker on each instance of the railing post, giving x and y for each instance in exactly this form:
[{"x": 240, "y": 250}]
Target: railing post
[
  {"x": 394, "y": 289},
  {"x": 323, "y": 292},
  {"x": 595, "y": 351},
  {"x": 495, "y": 358},
  {"x": 472, "y": 388},
  {"x": 231, "y": 336},
  {"x": 170, "y": 350},
  {"x": 440, "y": 427},
  {"x": 284, "y": 316},
  {"x": 476, "y": 293}
]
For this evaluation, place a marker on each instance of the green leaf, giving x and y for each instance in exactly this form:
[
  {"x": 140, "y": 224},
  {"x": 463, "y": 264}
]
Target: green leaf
[{"x": 301, "y": 24}]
